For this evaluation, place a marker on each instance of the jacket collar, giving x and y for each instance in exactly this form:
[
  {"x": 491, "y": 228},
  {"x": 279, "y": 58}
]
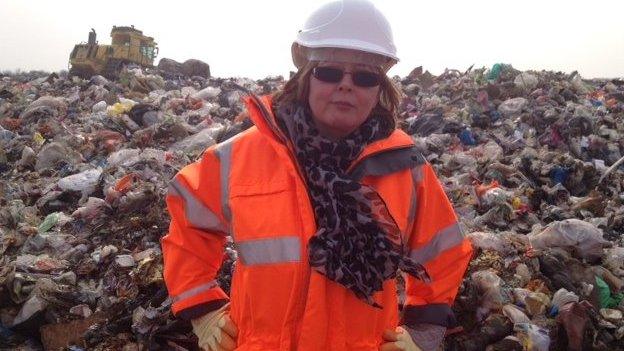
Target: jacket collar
[{"x": 261, "y": 114}]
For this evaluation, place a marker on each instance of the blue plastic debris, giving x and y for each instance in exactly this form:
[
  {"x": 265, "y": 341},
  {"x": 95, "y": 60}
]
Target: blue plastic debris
[
  {"x": 559, "y": 175},
  {"x": 494, "y": 115},
  {"x": 467, "y": 138}
]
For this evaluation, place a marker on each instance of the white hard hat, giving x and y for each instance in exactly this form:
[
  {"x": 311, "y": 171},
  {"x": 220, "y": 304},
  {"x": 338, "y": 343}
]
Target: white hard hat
[{"x": 346, "y": 24}]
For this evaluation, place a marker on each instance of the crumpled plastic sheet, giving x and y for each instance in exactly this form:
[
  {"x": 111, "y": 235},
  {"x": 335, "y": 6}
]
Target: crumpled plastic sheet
[{"x": 529, "y": 160}]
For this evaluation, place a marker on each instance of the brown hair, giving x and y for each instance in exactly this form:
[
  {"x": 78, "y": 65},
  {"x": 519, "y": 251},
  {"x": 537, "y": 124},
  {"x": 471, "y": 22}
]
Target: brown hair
[{"x": 297, "y": 89}]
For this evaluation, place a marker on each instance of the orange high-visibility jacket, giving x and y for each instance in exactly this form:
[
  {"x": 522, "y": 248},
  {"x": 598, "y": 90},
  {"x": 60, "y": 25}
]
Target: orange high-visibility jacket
[{"x": 250, "y": 188}]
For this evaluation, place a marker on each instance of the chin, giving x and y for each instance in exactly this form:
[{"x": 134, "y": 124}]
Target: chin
[{"x": 344, "y": 130}]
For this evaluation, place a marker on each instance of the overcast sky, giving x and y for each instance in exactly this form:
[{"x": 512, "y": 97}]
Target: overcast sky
[{"x": 252, "y": 38}]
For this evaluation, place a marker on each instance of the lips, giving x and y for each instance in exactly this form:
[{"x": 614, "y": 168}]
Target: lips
[{"x": 342, "y": 104}]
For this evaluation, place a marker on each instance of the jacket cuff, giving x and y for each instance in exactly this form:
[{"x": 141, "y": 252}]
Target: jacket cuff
[
  {"x": 436, "y": 313},
  {"x": 426, "y": 336},
  {"x": 191, "y": 299},
  {"x": 201, "y": 309}
]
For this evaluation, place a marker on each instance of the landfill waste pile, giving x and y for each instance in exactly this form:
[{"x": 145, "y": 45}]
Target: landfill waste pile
[{"x": 531, "y": 161}]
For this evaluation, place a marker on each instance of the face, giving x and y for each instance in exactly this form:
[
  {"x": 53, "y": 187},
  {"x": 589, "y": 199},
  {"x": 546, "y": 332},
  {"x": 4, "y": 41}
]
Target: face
[{"x": 340, "y": 108}]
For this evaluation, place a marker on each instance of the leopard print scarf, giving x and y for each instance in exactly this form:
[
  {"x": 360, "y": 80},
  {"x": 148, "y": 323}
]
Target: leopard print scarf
[{"x": 358, "y": 244}]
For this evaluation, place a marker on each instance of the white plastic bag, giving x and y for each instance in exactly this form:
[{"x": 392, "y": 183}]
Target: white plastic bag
[
  {"x": 512, "y": 106},
  {"x": 583, "y": 236},
  {"x": 526, "y": 81},
  {"x": 85, "y": 181}
]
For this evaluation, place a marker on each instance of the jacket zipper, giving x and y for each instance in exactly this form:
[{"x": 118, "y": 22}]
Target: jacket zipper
[
  {"x": 292, "y": 155},
  {"x": 306, "y": 269}
]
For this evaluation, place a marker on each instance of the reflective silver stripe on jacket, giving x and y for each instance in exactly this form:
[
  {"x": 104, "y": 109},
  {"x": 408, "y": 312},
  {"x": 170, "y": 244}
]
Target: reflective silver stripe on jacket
[
  {"x": 267, "y": 251},
  {"x": 194, "y": 291},
  {"x": 223, "y": 151},
  {"x": 412, "y": 209},
  {"x": 198, "y": 215},
  {"x": 443, "y": 240},
  {"x": 417, "y": 176}
]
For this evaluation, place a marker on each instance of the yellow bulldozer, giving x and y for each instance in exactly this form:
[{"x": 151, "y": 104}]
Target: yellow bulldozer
[{"x": 128, "y": 45}]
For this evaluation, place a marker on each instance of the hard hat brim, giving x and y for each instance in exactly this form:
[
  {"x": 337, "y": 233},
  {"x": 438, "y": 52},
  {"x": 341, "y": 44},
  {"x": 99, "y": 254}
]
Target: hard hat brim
[{"x": 301, "y": 53}]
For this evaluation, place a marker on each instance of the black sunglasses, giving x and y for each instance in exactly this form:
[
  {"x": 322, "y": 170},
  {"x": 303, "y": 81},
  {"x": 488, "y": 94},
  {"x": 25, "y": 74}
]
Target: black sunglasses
[{"x": 363, "y": 79}]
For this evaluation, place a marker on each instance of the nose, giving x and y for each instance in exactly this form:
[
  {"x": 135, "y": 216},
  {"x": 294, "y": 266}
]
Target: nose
[{"x": 346, "y": 84}]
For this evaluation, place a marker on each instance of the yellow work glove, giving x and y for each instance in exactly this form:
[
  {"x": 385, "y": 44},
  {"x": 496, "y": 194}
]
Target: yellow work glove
[
  {"x": 215, "y": 331},
  {"x": 398, "y": 340},
  {"x": 419, "y": 337}
]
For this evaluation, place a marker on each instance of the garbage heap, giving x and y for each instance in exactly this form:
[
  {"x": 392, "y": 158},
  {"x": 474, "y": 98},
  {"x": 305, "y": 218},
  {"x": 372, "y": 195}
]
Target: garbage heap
[{"x": 529, "y": 159}]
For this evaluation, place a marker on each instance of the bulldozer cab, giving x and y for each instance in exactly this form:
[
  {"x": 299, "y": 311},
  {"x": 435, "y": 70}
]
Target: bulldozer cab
[{"x": 128, "y": 45}]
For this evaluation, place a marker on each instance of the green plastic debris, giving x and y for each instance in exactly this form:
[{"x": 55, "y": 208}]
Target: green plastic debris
[
  {"x": 49, "y": 222},
  {"x": 607, "y": 300},
  {"x": 495, "y": 72}
]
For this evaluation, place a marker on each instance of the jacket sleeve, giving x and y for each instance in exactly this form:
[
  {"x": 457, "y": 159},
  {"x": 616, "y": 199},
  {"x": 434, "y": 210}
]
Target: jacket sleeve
[
  {"x": 434, "y": 240},
  {"x": 193, "y": 249}
]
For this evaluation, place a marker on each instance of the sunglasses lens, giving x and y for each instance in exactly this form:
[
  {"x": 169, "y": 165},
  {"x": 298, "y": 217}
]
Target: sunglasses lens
[
  {"x": 366, "y": 79},
  {"x": 334, "y": 75},
  {"x": 328, "y": 74}
]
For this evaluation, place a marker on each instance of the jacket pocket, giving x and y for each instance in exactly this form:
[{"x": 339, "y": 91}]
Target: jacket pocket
[
  {"x": 264, "y": 211},
  {"x": 266, "y": 232}
]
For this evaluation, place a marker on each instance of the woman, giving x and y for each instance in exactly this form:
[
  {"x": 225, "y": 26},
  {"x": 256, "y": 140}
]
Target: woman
[{"x": 325, "y": 200}]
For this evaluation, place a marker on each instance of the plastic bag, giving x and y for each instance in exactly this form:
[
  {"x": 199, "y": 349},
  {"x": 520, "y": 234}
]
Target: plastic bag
[
  {"x": 196, "y": 144},
  {"x": 84, "y": 182},
  {"x": 526, "y": 81},
  {"x": 495, "y": 71},
  {"x": 532, "y": 337},
  {"x": 125, "y": 157},
  {"x": 207, "y": 93},
  {"x": 490, "y": 287},
  {"x": 49, "y": 222},
  {"x": 579, "y": 85},
  {"x": 584, "y": 237},
  {"x": 515, "y": 314},
  {"x": 575, "y": 318},
  {"x": 467, "y": 137},
  {"x": 512, "y": 106},
  {"x": 120, "y": 108},
  {"x": 607, "y": 300},
  {"x": 498, "y": 242},
  {"x": 614, "y": 260},
  {"x": 611, "y": 314},
  {"x": 560, "y": 298},
  {"x": 496, "y": 196},
  {"x": 6, "y": 135},
  {"x": 99, "y": 107},
  {"x": 92, "y": 209},
  {"x": 488, "y": 152}
]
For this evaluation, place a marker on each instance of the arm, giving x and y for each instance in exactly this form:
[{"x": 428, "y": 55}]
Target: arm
[
  {"x": 193, "y": 248},
  {"x": 435, "y": 241}
]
